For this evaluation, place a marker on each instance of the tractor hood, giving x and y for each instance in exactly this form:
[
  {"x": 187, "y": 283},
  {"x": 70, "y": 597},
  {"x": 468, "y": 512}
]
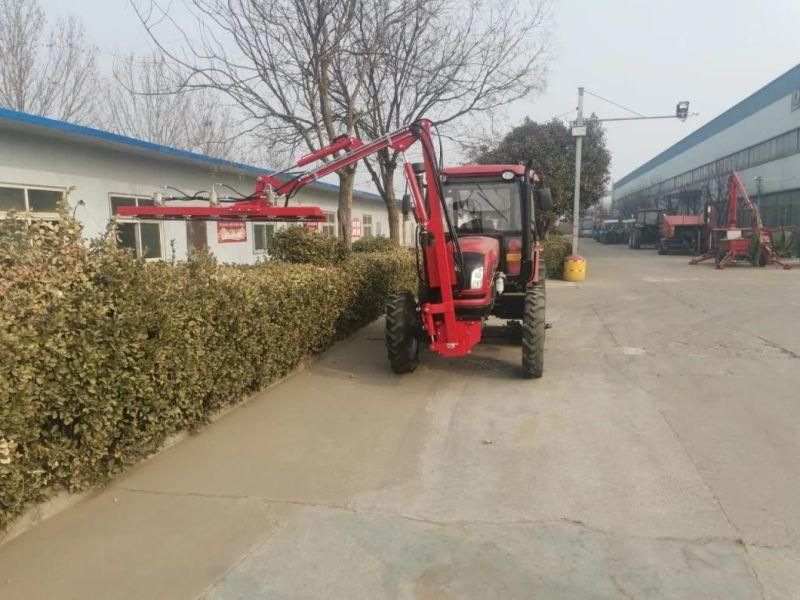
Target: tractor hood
[
  {"x": 480, "y": 244},
  {"x": 479, "y": 251}
]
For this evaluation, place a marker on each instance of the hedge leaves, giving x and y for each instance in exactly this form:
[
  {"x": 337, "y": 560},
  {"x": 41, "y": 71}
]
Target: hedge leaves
[{"x": 102, "y": 357}]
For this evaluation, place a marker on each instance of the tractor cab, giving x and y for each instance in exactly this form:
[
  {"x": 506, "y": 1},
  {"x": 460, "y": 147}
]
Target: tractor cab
[
  {"x": 488, "y": 205},
  {"x": 646, "y": 229},
  {"x": 493, "y": 212}
]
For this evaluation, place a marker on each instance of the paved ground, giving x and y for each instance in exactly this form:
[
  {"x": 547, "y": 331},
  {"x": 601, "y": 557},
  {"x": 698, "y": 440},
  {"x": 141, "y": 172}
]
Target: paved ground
[{"x": 658, "y": 458}]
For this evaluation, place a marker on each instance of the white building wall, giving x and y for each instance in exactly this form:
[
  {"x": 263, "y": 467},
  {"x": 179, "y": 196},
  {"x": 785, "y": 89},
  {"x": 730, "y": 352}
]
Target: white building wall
[
  {"x": 771, "y": 121},
  {"x": 93, "y": 175}
]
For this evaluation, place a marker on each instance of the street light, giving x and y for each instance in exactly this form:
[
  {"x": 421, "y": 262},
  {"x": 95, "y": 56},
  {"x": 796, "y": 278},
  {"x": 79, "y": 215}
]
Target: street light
[{"x": 579, "y": 132}]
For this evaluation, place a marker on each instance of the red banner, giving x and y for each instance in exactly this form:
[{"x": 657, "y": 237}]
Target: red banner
[{"x": 231, "y": 232}]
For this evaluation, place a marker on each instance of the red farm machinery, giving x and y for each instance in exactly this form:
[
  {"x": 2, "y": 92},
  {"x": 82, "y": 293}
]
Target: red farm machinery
[
  {"x": 733, "y": 243},
  {"x": 478, "y": 243}
]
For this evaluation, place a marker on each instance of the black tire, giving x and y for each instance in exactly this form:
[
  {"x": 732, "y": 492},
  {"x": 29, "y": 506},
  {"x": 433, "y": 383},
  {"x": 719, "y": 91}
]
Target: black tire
[
  {"x": 402, "y": 332},
  {"x": 533, "y": 331}
]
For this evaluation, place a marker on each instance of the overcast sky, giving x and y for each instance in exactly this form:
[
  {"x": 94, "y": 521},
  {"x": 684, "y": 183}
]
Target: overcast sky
[{"x": 645, "y": 55}]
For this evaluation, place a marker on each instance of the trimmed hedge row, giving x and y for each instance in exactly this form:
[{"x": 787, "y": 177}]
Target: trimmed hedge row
[
  {"x": 103, "y": 357},
  {"x": 303, "y": 246},
  {"x": 374, "y": 244}
]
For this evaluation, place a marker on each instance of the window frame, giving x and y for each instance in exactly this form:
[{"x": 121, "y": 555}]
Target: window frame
[
  {"x": 366, "y": 228},
  {"x": 27, "y": 214},
  {"x": 138, "y": 224},
  {"x": 330, "y": 223},
  {"x": 265, "y": 250}
]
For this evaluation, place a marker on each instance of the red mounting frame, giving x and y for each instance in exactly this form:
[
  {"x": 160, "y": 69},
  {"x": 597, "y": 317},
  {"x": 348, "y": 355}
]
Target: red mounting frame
[
  {"x": 247, "y": 210},
  {"x": 448, "y": 336},
  {"x": 730, "y": 248}
]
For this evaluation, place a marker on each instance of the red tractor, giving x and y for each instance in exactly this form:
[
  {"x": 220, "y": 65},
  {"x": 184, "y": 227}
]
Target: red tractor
[{"x": 478, "y": 244}]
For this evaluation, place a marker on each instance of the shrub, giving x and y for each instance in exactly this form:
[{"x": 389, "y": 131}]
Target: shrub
[
  {"x": 301, "y": 245},
  {"x": 102, "y": 357},
  {"x": 556, "y": 248},
  {"x": 374, "y": 244}
]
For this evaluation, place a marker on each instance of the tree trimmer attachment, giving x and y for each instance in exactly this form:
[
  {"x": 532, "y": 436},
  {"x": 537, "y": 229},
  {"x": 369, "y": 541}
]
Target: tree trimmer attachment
[
  {"x": 731, "y": 243},
  {"x": 261, "y": 205},
  {"x": 478, "y": 243}
]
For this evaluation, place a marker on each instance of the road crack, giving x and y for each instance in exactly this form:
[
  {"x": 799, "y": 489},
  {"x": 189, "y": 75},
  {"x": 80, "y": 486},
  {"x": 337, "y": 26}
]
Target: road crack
[{"x": 778, "y": 347}]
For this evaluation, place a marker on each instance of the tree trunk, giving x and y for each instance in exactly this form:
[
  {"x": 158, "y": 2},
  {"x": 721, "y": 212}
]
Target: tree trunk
[
  {"x": 347, "y": 179},
  {"x": 395, "y": 233}
]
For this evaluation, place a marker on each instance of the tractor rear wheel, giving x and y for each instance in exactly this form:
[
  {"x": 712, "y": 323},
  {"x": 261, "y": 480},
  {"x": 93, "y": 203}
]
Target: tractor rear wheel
[
  {"x": 533, "y": 331},
  {"x": 402, "y": 332}
]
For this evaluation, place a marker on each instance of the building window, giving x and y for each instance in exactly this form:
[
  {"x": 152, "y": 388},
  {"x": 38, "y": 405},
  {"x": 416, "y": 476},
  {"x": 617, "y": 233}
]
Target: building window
[
  {"x": 30, "y": 202},
  {"x": 143, "y": 237},
  {"x": 366, "y": 221},
  {"x": 378, "y": 230},
  {"x": 329, "y": 226},
  {"x": 262, "y": 234}
]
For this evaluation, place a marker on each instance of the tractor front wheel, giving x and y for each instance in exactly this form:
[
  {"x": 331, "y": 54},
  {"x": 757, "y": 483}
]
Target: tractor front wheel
[
  {"x": 402, "y": 332},
  {"x": 533, "y": 331}
]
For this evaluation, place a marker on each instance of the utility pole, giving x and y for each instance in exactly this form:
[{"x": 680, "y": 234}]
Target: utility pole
[{"x": 578, "y": 131}]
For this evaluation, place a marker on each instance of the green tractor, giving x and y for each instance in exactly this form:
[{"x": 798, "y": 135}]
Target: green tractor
[{"x": 646, "y": 229}]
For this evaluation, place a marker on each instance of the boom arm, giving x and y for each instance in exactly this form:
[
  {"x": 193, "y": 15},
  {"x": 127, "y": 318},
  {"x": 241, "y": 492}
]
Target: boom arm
[
  {"x": 735, "y": 189},
  {"x": 442, "y": 256}
]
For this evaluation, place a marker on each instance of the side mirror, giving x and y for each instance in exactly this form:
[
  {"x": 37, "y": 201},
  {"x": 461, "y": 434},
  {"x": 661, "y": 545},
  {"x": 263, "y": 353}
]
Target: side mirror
[
  {"x": 405, "y": 205},
  {"x": 544, "y": 200}
]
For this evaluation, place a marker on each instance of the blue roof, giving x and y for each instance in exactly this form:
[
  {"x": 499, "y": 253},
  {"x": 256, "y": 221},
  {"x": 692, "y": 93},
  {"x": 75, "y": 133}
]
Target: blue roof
[
  {"x": 779, "y": 88},
  {"x": 81, "y": 131}
]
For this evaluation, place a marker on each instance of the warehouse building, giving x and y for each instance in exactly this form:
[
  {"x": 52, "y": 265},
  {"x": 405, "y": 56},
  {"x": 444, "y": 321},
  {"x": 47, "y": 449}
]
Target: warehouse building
[
  {"x": 759, "y": 136},
  {"x": 44, "y": 160}
]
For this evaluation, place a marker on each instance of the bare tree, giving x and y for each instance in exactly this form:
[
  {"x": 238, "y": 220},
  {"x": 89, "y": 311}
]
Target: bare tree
[
  {"x": 144, "y": 101},
  {"x": 446, "y": 60},
  {"x": 45, "y": 73},
  {"x": 289, "y": 65}
]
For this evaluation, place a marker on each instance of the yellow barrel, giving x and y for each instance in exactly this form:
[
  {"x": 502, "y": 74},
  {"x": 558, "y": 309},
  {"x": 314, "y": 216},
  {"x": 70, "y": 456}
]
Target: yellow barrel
[{"x": 574, "y": 268}]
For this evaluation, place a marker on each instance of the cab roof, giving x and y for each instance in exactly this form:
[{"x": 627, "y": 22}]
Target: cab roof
[{"x": 486, "y": 171}]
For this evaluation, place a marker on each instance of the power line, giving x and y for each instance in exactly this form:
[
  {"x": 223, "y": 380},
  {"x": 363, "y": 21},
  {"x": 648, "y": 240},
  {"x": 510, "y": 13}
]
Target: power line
[
  {"x": 561, "y": 116},
  {"x": 614, "y": 103}
]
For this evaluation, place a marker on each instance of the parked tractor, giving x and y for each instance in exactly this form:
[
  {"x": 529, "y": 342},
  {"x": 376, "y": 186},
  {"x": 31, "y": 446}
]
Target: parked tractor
[
  {"x": 478, "y": 243},
  {"x": 681, "y": 233},
  {"x": 613, "y": 231},
  {"x": 646, "y": 229}
]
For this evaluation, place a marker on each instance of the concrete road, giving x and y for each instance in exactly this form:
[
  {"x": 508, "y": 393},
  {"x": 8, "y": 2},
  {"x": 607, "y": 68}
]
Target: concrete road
[{"x": 657, "y": 458}]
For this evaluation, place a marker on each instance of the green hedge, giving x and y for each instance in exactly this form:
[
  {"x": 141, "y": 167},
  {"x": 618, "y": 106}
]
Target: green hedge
[
  {"x": 556, "y": 249},
  {"x": 103, "y": 357},
  {"x": 301, "y": 245},
  {"x": 374, "y": 244}
]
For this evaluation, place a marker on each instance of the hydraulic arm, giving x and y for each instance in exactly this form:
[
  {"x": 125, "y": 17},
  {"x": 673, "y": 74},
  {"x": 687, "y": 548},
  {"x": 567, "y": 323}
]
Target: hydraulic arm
[{"x": 442, "y": 256}]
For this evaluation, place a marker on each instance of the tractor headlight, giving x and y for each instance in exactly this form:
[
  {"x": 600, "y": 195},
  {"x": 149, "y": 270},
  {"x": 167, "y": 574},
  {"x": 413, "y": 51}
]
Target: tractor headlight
[{"x": 476, "y": 279}]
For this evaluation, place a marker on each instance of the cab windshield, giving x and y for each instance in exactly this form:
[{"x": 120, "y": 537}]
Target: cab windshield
[{"x": 478, "y": 207}]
